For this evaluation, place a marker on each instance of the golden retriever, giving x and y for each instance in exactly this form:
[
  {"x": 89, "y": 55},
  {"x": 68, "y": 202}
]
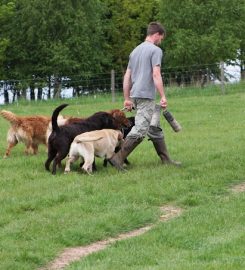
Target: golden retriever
[
  {"x": 31, "y": 130},
  {"x": 99, "y": 143}
]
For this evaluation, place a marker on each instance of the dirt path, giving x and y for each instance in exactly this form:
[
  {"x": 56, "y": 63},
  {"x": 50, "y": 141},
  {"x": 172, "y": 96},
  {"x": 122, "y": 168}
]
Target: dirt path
[
  {"x": 70, "y": 255},
  {"x": 238, "y": 188}
]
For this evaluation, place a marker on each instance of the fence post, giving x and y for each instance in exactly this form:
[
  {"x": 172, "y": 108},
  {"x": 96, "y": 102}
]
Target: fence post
[
  {"x": 113, "y": 85},
  {"x": 207, "y": 76},
  {"x": 222, "y": 76}
]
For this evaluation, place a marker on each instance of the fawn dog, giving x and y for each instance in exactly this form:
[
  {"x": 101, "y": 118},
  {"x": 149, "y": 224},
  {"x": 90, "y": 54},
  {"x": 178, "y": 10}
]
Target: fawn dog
[{"x": 99, "y": 143}]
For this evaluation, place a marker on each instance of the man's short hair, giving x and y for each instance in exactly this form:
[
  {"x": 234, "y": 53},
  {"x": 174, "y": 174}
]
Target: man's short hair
[{"x": 155, "y": 27}]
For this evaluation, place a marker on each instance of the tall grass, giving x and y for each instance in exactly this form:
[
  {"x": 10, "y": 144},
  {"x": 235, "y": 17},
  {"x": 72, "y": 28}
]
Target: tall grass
[{"x": 42, "y": 214}]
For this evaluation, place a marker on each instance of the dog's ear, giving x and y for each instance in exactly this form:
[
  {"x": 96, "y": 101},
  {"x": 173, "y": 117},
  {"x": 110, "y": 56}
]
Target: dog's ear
[{"x": 113, "y": 113}]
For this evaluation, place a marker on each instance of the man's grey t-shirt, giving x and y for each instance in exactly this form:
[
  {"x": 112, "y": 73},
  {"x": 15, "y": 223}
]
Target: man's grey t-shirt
[{"x": 141, "y": 62}]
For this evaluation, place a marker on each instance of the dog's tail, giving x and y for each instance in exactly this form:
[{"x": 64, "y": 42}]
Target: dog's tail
[
  {"x": 55, "y": 115},
  {"x": 11, "y": 117},
  {"x": 89, "y": 139}
]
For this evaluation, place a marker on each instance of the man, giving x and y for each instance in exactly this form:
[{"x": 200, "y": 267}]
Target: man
[{"x": 141, "y": 80}]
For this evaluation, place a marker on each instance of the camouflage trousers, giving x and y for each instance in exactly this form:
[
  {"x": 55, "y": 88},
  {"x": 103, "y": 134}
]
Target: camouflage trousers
[{"x": 147, "y": 119}]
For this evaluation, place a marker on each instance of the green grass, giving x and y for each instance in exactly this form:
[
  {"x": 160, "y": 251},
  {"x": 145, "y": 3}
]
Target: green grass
[{"x": 42, "y": 214}]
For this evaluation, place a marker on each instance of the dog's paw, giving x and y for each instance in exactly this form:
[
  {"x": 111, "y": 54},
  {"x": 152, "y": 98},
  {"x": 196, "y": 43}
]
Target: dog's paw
[{"x": 88, "y": 171}]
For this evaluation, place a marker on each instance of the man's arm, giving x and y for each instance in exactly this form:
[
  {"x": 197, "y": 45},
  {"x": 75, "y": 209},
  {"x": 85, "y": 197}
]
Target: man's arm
[
  {"x": 157, "y": 78},
  {"x": 127, "y": 84}
]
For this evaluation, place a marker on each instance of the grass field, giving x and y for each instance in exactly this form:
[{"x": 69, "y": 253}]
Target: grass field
[{"x": 42, "y": 214}]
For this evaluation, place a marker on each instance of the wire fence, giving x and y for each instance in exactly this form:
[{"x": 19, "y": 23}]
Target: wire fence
[{"x": 112, "y": 82}]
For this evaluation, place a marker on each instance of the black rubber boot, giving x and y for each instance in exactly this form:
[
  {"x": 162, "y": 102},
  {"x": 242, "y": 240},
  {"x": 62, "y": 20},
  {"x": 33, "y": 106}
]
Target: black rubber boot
[
  {"x": 162, "y": 152},
  {"x": 128, "y": 146}
]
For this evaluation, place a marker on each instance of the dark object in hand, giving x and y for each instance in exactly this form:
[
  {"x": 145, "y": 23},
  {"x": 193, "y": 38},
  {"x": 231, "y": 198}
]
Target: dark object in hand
[{"x": 172, "y": 121}]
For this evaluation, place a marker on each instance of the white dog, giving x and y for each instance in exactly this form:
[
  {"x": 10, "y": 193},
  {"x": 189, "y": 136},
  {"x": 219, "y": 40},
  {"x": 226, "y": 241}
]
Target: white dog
[{"x": 99, "y": 143}]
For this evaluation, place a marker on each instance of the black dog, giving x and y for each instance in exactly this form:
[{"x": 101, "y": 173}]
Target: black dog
[
  {"x": 61, "y": 137},
  {"x": 125, "y": 131}
]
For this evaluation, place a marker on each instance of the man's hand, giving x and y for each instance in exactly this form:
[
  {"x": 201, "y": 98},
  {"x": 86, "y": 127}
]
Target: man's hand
[
  {"x": 128, "y": 104},
  {"x": 163, "y": 102}
]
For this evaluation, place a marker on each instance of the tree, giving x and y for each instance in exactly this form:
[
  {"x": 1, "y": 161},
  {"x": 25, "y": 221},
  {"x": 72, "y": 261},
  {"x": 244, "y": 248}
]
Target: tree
[
  {"x": 53, "y": 39},
  {"x": 126, "y": 23},
  {"x": 6, "y": 11},
  {"x": 238, "y": 16},
  {"x": 201, "y": 33}
]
